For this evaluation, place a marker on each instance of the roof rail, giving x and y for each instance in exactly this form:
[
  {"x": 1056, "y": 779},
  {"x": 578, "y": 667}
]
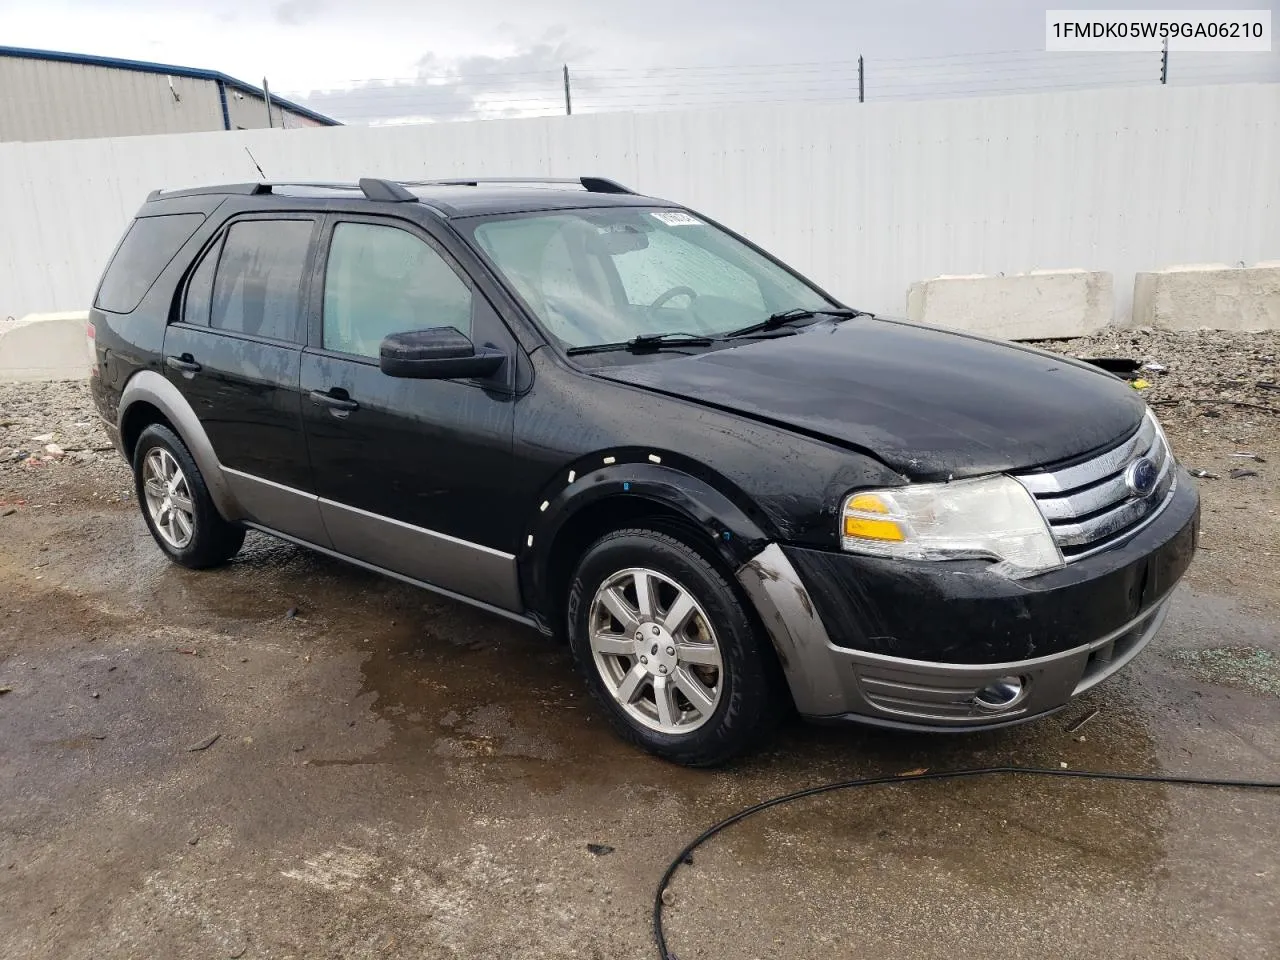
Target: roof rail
[
  {"x": 243, "y": 189},
  {"x": 590, "y": 184},
  {"x": 373, "y": 188},
  {"x": 316, "y": 184},
  {"x": 389, "y": 191}
]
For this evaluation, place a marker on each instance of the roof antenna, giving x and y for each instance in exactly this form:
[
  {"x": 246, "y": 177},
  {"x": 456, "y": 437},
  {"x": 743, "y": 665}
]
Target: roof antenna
[{"x": 255, "y": 163}]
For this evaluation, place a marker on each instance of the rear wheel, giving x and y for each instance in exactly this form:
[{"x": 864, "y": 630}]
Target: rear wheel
[
  {"x": 176, "y": 504},
  {"x": 667, "y": 649}
]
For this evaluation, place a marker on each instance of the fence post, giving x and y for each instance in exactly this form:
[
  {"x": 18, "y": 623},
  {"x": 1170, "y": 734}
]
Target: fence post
[
  {"x": 862, "y": 89},
  {"x": 266, "y": 96},
  {"x": 1164, "y": 62},
  {"x": 568, "y": 100}
]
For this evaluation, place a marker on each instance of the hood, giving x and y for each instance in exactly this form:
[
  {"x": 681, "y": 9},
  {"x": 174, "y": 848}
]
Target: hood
[{"x": 929, "y": 403}]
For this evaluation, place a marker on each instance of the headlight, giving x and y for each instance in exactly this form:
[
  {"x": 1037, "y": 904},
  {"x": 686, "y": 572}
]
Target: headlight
[
  {"x": 1164, "y": 439},
  {"x": 989, "y": 517}
]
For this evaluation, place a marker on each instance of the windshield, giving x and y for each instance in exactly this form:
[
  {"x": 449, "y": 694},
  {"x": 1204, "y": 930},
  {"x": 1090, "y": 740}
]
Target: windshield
[{"x": 606, "y": 275}]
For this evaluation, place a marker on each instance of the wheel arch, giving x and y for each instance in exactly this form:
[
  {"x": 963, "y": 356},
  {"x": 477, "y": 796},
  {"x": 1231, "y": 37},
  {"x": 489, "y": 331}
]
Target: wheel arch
[
  {"x": 589, "y": 504},
  {"x": 139, "y": 415},
  {"x": 149, "y": 398}
]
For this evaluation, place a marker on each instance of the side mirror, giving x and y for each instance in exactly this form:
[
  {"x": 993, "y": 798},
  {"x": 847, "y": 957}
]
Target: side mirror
[{"x": 441, "y": 353}]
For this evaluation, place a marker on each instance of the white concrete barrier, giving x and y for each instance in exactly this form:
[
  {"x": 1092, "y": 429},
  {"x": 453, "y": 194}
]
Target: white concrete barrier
[
  {"x": 44, "y": 346},
  {"x": 1213, "y": 296},
  {"x": 1040, "y": 305}
]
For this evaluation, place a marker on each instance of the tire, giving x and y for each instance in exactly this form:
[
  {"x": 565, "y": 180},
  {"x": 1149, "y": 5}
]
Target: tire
[
  {"x": 745, "y": 697},
  {"x": 198, "y": 538}
]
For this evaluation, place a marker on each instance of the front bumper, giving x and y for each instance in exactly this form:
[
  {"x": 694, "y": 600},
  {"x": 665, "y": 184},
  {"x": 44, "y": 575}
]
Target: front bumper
[{"x": 904, "y": 644}]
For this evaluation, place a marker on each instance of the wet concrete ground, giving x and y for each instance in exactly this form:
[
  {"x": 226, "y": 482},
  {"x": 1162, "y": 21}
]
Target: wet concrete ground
[{"x": 397, "y": 775}]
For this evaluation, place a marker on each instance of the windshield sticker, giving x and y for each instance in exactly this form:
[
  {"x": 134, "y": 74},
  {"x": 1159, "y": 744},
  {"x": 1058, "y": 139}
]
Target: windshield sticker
[{"x": 676, "y": 218}]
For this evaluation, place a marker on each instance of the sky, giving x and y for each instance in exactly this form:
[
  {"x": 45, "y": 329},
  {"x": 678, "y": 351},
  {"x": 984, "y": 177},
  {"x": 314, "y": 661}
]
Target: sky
[{"x": 416, "y": 60}]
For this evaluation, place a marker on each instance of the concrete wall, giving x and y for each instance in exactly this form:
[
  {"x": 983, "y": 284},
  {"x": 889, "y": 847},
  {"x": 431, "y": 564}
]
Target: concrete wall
[
  {"x": 1040, "y": 305},
  {"x": 1212, "y": 296},
  {"x": 50, "y": 346},
  {"x": 865, "y": 198}
]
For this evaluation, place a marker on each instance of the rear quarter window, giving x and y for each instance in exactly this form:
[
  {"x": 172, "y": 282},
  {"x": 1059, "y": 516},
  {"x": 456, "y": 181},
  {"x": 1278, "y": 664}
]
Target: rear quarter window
[
  {"x": 199, "y": 295},
  {"x": 146, "y": 249}
]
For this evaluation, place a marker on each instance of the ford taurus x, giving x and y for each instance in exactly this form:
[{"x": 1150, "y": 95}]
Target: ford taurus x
[{"x": 607, "y": 417}]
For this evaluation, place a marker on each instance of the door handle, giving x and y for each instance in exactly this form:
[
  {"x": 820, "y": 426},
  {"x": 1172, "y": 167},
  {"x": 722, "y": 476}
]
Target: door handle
[
  {"x": 185, "y": 364},
  {"x": 322, "y": 399}
]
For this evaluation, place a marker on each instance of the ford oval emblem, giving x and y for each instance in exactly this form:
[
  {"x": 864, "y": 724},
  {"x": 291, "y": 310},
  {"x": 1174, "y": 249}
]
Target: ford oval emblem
[{"x": 1141, "y": 477}]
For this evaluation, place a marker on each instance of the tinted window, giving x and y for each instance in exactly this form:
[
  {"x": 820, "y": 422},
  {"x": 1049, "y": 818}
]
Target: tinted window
[
  {"x": 258, "y": 288},
  {"x": 195, "y": 307},
  {"x": 146, "y": 250},
  {"x": 382, "y": 280}
]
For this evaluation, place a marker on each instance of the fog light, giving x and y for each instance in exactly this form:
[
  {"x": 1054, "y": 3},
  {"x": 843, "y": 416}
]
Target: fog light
[{"x": 1003, "y": 694}]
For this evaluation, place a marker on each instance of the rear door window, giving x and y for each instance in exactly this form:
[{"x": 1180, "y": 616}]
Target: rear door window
[
  {"x": 146, "y": 249},
  {"x": 258, "y": 288}
]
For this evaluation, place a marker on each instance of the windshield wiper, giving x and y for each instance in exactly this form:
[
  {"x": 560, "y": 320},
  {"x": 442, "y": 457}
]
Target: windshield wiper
[
  {"x": 773, "y": 321},
  {"x": 647, "y": 341}
]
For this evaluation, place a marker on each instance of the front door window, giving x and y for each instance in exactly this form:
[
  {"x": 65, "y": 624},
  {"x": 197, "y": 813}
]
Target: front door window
[{"x": 383, "y": 280}]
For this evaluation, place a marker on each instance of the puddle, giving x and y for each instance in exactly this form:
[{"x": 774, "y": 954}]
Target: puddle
[
  {"x": 452, "y": 685},
  {"x": 449, "y": 688},
  {"x": 460, "y": 684}
]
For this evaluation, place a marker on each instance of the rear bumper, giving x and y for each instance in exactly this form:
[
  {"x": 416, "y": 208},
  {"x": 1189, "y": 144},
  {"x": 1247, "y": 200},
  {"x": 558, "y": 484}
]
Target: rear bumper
[{"x": 913, "y": 644}]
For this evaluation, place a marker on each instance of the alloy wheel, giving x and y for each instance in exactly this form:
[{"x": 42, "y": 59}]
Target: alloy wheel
[
  {"x": 168, "y": 497},
  {"x": 656, "y": 650}
]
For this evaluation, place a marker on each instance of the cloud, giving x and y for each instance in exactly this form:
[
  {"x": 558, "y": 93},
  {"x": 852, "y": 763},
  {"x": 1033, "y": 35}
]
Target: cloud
[
  {"x": 295, "y": 13},
  {"x": 495, "y": 58},
  {"x": 525, "y": 82}
]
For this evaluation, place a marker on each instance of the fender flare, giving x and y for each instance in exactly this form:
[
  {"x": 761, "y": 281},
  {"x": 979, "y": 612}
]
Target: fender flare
[
  {"x": 148, "y": 386},
  {"x": 737, "y": 536}
]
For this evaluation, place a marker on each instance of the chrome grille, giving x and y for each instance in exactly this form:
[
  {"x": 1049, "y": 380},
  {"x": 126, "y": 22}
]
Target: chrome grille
[{"x": 1090, "y": 505}]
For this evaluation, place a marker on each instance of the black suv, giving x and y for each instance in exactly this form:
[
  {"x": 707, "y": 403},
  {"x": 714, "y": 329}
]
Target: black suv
[{"x": 607, "y": 417}]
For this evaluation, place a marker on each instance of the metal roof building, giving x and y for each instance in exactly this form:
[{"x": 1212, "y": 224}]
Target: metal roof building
[{"x": 47, "y": 95}]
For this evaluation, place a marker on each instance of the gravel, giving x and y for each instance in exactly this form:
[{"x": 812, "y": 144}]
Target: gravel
[
  {"x": 1196, "y": 373},
  {"x": 51, "y": 442}
]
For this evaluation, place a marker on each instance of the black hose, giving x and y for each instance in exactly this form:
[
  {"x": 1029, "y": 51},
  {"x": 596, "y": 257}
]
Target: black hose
[{"x": 684, "y": 855}]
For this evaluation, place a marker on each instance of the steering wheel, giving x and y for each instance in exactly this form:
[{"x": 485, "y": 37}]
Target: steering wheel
[{"x": 672, "y": 293}]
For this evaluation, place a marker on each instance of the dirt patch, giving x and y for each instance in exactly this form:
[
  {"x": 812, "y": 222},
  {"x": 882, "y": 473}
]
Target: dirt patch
[{"x": 1238, "y": 666}]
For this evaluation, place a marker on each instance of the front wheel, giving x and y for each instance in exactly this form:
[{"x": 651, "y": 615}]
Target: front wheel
[{"x": 668, "y": 650}]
